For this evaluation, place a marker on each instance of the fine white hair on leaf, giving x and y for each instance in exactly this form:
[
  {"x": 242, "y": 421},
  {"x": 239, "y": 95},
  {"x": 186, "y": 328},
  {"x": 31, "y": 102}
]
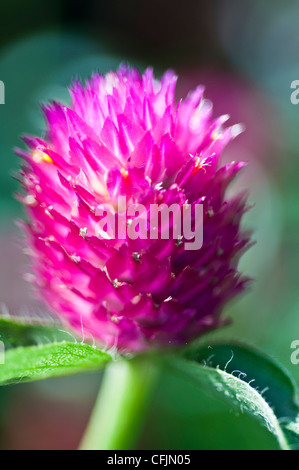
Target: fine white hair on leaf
[
  {"x": 241, "y": 375},
  {"x": 229, "y": 361},
  {"x": 47, "y": 339},
  {"x": 4, "y": 310},
  {"x": 210, "y": 358},
  {"x": 68, "y": 333},
  {"x": 82, "y": 330},
  {"x": 113, "y": 350},
  {"x": 93, "y": 342}
]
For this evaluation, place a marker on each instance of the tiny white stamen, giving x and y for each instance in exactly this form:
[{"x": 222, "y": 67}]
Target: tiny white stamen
[
  {"x": 83, "y": 232},
  {"x": 30, "y": 200}
]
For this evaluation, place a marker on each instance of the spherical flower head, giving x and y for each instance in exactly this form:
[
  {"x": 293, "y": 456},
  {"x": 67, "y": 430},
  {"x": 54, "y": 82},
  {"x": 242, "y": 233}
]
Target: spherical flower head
[{"x": 125, "y": 138}]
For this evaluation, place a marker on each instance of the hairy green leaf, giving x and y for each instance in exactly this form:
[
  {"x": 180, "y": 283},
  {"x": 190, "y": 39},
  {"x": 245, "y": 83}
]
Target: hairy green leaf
[
  {"x": 249, "y": 382},
  {"x": 25, "y": 364},
  {"x": 15, "y": 332}
]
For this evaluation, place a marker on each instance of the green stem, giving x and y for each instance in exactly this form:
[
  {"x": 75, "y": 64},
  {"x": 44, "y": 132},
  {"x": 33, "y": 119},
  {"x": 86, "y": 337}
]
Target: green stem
[{"x": 121, "y": 405}]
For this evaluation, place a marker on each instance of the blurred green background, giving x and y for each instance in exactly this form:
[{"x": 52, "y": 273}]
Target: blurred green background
[{"x": 246, "y": 53}]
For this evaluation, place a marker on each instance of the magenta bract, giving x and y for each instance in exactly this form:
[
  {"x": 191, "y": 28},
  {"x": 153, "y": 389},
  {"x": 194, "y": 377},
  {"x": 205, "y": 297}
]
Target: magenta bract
[{"x": 124, "y": 135}]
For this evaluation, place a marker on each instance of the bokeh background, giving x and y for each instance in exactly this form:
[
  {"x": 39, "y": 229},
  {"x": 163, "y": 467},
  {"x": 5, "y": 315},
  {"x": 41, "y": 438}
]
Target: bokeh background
[{"x": 246, "y": 53}]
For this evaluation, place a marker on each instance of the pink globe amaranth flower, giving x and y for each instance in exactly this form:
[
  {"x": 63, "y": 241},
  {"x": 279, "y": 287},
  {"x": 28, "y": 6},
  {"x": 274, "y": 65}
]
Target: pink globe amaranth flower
[{"x": 124, "y": 135}]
